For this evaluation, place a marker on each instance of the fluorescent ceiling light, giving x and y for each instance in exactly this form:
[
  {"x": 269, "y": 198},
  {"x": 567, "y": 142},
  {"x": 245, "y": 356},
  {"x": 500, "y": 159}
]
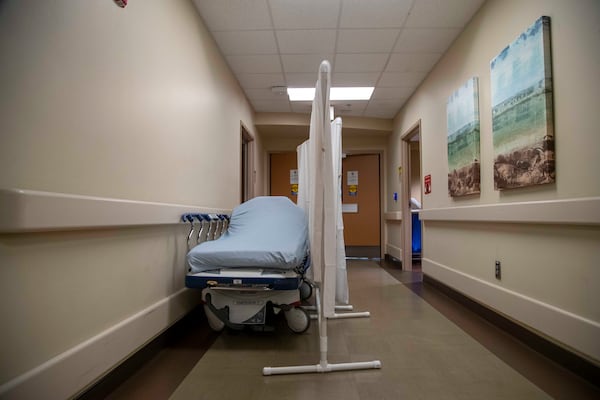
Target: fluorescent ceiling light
[
  {"x": 350, "y": 93},
  {"x": 301, "y": 94},
  {"x": 336, "y": 93}
]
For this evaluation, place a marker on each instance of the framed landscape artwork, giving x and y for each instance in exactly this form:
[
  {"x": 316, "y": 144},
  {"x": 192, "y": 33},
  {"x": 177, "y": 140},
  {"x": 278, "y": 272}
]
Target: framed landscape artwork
[
  {"x": 463, "y": 140},
  {"x": 522, "y": 123}
]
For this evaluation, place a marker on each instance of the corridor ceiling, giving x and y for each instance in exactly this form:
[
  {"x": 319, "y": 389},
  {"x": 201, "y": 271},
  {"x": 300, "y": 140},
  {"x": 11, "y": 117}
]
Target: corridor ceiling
[{"x": 389, "y": 44}]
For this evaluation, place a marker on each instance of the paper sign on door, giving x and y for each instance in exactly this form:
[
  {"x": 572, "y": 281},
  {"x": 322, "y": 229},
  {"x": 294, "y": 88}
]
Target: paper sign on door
[{"x": 352, "y": 178}]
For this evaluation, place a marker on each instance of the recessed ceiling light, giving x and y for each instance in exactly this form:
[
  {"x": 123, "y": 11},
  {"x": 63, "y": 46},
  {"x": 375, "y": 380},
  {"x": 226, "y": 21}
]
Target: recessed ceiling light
[
  {"x": 301, "y": 94},
  {"x": 336, "y": 93},
  {"x": 351, "y": 93}
]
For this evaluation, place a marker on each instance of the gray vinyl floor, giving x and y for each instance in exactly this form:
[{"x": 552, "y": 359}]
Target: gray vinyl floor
[{"x": 424, "y": 355}]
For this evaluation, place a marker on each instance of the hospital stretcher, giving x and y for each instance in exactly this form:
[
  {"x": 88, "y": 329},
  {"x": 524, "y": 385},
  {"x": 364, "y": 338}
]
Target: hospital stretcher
[{"x": 255, "y": 268}]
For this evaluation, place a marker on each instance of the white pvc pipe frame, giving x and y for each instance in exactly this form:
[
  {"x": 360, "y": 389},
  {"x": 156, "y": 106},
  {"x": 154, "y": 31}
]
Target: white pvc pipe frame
[
  {"x": 340, "y": 307},
  {"x": 323, "y": 365}
]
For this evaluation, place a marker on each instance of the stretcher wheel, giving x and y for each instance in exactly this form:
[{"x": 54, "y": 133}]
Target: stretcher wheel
[
  {"x": 297, "y": 319},
  {"x": 305, "y": 290},
  {"x": 213, "y": 321}
]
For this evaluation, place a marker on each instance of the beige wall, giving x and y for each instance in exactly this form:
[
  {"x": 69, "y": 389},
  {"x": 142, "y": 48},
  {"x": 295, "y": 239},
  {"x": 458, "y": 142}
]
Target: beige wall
[
  {"x": 551, "y": 269},
  {"x": 127, "y": 103},
  {"x": 133, "y": 103}
]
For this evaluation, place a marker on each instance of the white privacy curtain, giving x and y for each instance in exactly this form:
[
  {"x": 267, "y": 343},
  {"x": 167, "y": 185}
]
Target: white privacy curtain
[
  {"x": 304, "y": 186},
  {"x": 319, "y": 194},
  {"x": 341, "y": 276}
]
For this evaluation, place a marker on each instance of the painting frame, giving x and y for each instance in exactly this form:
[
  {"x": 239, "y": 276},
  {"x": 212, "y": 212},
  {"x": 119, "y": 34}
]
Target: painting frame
[
  {"x": 522, "y": 110},
  {"x": 463, "y": 140}
]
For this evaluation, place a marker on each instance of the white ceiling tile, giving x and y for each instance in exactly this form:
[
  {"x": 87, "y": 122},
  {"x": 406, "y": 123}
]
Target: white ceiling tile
[
  {"x": 412, "y": 62},
  {"x": 305, "y": 14},
  {"x": 320, "y": 41},
  {"x": 254, "y": 64},
  {"x": 349, "y": 113},
  {"x": 391, "y": 93},
  {"x": 271, "y": 106},
  {"x": 304, "y": 62},
  {"x": 360, "y": 62},
  {"x": 246, "y": 42},
  {"x": 307, "y": 79},
  {"x": 265, "y": 94},
  {"x": 442, "y": 13},
  {"x": 354, "y": 78},
  {"x": 347, "y": 106},
  {"x": 356, "y": 36},
  {"x": 366, "y": 40},
  {"x": 401, "y": 79},
  {"x": 374, "y": 13},
  {"x": 256, "y": 81},
  {"x": 425, "y": 40},
  {"x": 230, "y": 15}
]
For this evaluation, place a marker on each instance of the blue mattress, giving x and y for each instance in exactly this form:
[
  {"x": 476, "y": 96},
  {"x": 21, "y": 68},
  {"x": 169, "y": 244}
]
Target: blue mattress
[{"x": 266, "y": 232}]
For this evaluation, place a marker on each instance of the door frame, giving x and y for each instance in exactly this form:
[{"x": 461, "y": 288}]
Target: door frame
[
  {"x": 247, "y": 173},
  {"x": 406, "y": 233}
]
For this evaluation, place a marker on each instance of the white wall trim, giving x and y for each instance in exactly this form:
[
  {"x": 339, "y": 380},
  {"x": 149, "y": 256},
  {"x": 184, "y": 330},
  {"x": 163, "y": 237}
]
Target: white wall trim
[
  {"x": 565, "y": 327},
  {"x": 30, "y": 210},
  {"x": 393, "y": 251},
  {"x": 582, "y": 211},
  {"x": 72, "y": 371}
]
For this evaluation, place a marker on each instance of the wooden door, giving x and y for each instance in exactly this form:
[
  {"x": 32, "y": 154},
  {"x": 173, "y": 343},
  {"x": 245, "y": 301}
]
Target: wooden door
[
  {"x": 281, "y": 182},
  {"x": 361, "y": 190}
]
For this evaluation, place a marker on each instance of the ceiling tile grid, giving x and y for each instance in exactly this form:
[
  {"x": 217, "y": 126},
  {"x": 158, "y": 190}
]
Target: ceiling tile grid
[
  {"x": 366, "y": 40},
  {"x": 306, "y": 41},
  {"x": 389, "y": 44}
]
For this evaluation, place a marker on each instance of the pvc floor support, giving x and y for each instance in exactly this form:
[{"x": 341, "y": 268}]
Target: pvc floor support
[
  {"x": 323, "y": 365},
  {"x": 305, "y": 369}
]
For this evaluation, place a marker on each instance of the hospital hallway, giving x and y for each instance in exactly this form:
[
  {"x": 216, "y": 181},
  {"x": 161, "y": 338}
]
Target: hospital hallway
[{"x": 430, "y": 346}]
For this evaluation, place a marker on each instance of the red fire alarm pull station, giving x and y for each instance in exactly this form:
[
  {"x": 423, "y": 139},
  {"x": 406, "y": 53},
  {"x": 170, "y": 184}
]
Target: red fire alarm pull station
[
  {"x": 427, "y": 184},
  {"x": 121, "y": 3}
]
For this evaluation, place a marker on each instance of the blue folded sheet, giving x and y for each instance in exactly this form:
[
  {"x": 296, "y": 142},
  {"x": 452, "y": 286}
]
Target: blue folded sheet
[{"x": 265, "y": 232}]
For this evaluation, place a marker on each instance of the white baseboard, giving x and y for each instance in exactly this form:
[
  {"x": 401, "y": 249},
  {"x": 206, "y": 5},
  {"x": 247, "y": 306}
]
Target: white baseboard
[
  {"x": 76, "y": 369},
  {"x": 574, "y": 331},
  {"x": 393, "y": 251}
]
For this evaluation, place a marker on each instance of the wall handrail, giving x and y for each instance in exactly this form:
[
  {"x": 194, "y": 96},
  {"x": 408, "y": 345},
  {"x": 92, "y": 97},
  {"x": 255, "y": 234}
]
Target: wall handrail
[
  {"x": 580, "y": 211},
  {"x": 33, "y": 211}
]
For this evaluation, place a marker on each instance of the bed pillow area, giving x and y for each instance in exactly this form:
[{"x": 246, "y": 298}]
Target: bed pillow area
[{"x": 268, "y": 232}]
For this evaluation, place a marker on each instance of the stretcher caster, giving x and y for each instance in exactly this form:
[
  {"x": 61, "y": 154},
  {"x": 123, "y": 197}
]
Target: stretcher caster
[
  {"x": 305, "y": 290},
  {"x": 213, "y": 321},
  {"x": 297, "y": 319}
]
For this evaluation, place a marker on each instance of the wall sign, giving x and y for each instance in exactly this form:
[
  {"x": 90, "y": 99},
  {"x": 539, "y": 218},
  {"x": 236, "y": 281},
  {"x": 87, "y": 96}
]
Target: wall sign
[
  {"x": 427, "y": 184},
  {"x": 352, "y": 178},
  {"x": 294, "y": 182},
  {"x": 352, "y": 190},
  {"x": 293, "y": 176},
  {"x": 349, "y": 208}
]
